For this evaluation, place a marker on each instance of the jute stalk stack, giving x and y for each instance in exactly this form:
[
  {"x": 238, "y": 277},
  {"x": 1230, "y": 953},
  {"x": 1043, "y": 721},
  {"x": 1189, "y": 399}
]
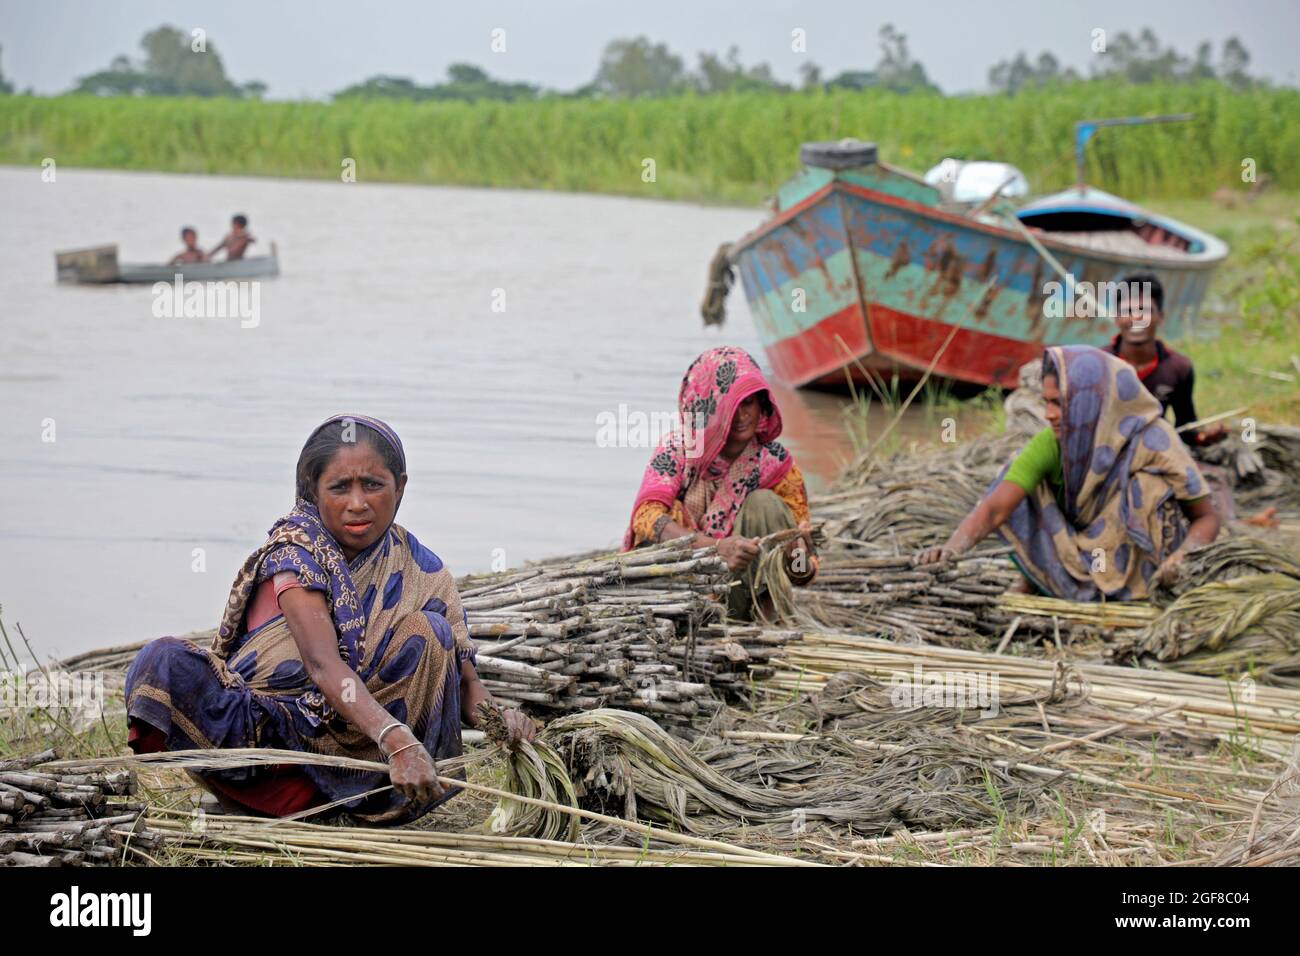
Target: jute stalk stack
[
  {"x": 1268, "y": 723},
  {"x": 271, "y": 828},
  {"x": 50, "y": 817},
  {"x": 624, "y": 763},
  {"x": 880, "y": 593},
  {"x": 256, "y": 840},
  {"x": 1246, "y": 625},
  {"x": 1231, "y": 557},
  {"x": 611, "y": 630},
  {"x": 1263, "y": 471},
  {"x": 1111, "y": 615},
  {"x": 1120, "y": 784},
  {"x": 1234, "y": 611},
  {"x": 638, "y": 630}
]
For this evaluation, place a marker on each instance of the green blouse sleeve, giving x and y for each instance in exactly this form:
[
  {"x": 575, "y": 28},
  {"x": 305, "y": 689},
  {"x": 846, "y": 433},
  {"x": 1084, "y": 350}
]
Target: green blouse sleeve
[{"x": 1039, "y": 461}]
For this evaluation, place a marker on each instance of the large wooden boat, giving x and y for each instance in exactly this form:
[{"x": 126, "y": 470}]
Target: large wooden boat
[{"x": 863, "y": 269}]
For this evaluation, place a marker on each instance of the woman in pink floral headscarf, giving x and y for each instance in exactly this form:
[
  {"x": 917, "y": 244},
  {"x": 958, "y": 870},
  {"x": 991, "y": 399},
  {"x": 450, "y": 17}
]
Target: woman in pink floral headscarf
[{"x": 723, "y": 478}]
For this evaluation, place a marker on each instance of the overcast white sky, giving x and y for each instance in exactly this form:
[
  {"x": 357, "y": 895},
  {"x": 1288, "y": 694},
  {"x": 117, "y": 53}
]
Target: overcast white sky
[{"x": 311, "y": 48}]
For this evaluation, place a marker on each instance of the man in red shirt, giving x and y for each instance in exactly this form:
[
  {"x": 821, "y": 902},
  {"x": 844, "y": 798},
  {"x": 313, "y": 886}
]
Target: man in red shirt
[{"x": 1168, "y": 375}]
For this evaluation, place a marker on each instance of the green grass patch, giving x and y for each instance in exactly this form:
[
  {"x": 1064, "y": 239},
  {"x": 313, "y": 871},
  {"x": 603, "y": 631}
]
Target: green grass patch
[{"x": 732, "y": 148}]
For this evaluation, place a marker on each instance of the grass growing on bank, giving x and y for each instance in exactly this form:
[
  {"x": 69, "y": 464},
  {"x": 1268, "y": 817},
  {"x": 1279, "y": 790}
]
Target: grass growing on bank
[
  {"x": 1247, "y": 351},
  {"x": 32, "y": 721},
  {"x": 732, "y": 148}
]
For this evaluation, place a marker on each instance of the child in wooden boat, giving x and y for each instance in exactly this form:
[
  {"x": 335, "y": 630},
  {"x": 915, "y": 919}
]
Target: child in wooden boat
[
  {"x": 237, "y": 240},
  {"x": 191, "y": 252}
]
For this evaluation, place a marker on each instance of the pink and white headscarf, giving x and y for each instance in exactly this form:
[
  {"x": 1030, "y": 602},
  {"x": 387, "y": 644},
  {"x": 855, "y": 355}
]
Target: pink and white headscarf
[{"x": 688, "y": 459}]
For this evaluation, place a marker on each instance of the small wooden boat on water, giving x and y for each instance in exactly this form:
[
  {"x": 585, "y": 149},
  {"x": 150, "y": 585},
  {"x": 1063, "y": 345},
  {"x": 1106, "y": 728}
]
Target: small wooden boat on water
[
  {"x": 864, "y": 269},
  {"x": 99, "y": 265}
]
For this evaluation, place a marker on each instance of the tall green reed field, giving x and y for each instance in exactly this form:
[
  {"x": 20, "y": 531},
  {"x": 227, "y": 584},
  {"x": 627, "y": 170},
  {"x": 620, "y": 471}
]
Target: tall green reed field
[{"x": 730, "y": 149}]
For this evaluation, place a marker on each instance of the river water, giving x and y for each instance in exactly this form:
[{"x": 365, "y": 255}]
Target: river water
[{"x": 493, "y": 329}]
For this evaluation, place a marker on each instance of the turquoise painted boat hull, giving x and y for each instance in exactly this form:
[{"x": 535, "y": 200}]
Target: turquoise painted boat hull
[{"x": 862, "y": 271}]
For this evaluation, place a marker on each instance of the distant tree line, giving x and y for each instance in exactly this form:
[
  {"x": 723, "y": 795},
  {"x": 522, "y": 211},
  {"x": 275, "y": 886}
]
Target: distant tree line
[
  {"x": 464, "y": 82},
  {"x": 637, "y": 67},
  {"x": 1138, "y": 59},
  {"x": 171, "y": 67},
  {"x": 5, "y": 86}
]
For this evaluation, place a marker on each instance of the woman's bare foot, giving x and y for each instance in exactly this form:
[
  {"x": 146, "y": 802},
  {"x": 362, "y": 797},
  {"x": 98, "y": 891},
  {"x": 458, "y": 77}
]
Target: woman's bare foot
[{"x": 1022, "y": 585}]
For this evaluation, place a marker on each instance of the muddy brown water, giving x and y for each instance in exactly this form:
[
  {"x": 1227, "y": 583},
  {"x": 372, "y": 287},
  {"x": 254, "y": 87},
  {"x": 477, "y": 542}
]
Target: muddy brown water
[{"x": 495, "y": 330}]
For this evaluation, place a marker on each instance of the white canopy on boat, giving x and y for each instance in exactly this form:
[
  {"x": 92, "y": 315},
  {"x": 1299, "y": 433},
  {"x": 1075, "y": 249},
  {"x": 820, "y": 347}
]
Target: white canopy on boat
[{"x": 960, "y": 180}]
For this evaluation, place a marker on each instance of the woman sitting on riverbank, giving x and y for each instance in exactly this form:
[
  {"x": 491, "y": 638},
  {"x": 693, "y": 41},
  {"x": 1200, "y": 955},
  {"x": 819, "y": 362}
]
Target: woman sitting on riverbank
[
  {"x": 343, "y": 635},
  {"x": 1103, "y": 501},
  {"x": 723, "y": 479}
]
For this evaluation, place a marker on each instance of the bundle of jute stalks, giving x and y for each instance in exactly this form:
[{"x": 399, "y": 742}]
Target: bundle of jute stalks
[
  {"x": 533, "y": 838},
  {"x": 1121, "y": 785},
  {"x": 874, "y": 591},
  {"x": 608, "y": 630},
  {"x": 262, "y": 842},
  {"x": 1280, "y": 450},
  {"x": 52, "y": 817},
  {"x": 1263, "y": 465},
  {"x": 1232, "y": 557},
  {"x": 1234, "y": 611},
  {"x": 638, "y": 630},
  {"x": 1246, "y": 625},
  {"x": 1268, "y": 717}
]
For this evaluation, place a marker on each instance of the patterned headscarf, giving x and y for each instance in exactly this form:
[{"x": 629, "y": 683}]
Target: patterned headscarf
[
  {"x": 1124, "y": 468},
  {"x": 381, "y": 428},
  {"x": 689, "y": 460},
  {"x": 303, "y": 529}
]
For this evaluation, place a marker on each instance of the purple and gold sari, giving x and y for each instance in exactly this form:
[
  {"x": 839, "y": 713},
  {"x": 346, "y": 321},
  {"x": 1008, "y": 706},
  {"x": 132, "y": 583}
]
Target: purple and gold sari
[
  {"x": 1125, "y": 471},
  {"x": 401, "y": 629}
]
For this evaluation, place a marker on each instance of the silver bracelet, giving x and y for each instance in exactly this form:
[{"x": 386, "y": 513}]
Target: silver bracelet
[
  {"x": 379, "y": 741},
  {"x": 400, "y": 749}
]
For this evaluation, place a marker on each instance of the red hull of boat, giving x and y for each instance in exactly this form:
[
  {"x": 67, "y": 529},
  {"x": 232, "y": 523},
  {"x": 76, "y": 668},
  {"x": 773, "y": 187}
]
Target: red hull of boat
[{"x": 895, "y": 343}]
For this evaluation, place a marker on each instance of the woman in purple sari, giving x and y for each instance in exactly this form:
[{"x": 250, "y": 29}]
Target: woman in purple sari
[
  {"x": 343, "y": 635},
  {"x": 1102, "y": 504}
]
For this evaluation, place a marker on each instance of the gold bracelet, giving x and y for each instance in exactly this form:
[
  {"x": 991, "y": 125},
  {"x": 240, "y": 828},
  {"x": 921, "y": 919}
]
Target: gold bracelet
[{"x": 400, "y": 749}]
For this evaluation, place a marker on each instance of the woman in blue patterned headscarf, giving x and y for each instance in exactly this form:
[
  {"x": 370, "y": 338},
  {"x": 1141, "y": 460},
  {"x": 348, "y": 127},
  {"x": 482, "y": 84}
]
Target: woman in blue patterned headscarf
[
  {"x": 1105, "y": 500},
  {"x": 343, "y": 635}
]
